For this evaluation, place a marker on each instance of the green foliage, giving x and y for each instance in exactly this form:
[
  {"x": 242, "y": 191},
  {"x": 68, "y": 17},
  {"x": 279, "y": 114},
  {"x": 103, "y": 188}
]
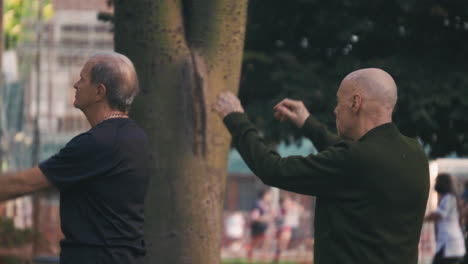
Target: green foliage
[
  {"x": 11, "y": 237},
  {"x": 303, "y": 48},
  {"x": 17, "y": 14}
]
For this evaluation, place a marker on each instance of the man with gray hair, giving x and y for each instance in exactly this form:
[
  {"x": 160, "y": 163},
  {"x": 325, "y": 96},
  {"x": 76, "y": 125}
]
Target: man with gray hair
[
  {"x": 102, "y": 174},
  {"x": 371, "y": 182}
]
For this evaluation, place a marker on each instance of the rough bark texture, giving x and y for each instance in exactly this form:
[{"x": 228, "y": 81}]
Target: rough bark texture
[{"x": 185, "y": 52}]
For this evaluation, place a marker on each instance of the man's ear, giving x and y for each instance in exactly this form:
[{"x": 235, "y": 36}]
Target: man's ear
[
  {"x": 101, "y": 92},
  {"x": 357, "y": 103}
]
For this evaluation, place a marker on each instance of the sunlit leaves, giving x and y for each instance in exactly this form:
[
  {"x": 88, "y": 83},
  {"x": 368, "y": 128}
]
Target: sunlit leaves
[{"x": 18, "y": 14}]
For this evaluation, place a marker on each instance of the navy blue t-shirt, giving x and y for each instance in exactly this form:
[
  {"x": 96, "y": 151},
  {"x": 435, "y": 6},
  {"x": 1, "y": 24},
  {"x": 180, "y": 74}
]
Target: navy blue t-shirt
[
  {"x": 102, "y": 176},
  {"x": 258, "y": 227}
]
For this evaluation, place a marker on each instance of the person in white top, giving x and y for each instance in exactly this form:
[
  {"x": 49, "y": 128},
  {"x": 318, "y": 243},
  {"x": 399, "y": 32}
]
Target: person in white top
[
  {"x": 288, "y": 222},
  {"x": 450, "y": 244}
]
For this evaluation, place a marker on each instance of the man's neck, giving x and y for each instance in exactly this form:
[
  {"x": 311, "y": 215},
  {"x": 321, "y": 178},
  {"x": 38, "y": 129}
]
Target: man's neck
[
  {"x": 368, "y": 124},
  {"x": 96, "y": 116}
]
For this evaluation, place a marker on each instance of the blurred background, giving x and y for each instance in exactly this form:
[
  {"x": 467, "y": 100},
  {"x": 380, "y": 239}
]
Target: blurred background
[{"x": 298, "y": 48}]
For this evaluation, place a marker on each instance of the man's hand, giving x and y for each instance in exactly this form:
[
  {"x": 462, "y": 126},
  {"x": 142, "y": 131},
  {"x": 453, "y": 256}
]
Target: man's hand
[
  {"x": 227, "y": 103},
  {"x": 291, "y": 110}
]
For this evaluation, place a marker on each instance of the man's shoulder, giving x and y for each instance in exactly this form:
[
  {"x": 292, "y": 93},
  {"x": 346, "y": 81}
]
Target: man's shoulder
[
  {"x": 83, "y": 139},
  {"x": 92, "y": 141},
  {"x": 113, "y": 126},
  {"x": 391, "y": 150},
  {"x": 387, "y": 134},
  {"x": 111, "y": 131}
]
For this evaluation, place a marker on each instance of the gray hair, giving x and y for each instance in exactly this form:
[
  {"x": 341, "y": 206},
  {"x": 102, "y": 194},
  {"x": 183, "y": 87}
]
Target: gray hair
[{"x": 117, "y": 73}]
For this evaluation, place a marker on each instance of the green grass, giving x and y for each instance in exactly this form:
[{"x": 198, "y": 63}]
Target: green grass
[{"x": 243, "y": 261}]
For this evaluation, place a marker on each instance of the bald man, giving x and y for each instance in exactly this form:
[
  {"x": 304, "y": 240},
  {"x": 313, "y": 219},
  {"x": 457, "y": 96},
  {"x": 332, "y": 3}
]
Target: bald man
[
  {"x": 371, "y": 182},
  {"x": 101, "y": 174}
]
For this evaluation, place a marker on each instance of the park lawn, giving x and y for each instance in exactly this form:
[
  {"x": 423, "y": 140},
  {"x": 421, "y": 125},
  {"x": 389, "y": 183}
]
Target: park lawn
[{"x": 243, "y": 261}]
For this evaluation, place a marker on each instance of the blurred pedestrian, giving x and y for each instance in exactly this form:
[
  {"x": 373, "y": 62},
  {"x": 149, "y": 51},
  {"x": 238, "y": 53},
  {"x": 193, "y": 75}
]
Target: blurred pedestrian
[
  {"x": 465, "y": 192},
  {"x": 287, "y": 224},
  {"x": 234, "y": 230},
  {"x": 261, "y": 216},
  {"x": 450, "y": 245},
  {"x": 464, "y": 218}
]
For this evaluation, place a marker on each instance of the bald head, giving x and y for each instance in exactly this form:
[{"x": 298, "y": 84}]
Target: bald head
[
  {"x": 366, "y": 99},
  {"x": 117, "y": 73},
  {"x": 375, "y": 85}
]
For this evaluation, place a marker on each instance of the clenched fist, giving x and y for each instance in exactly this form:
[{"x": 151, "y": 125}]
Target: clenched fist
[
  {"x": 227, "y": 103},
  {"x": 291, "y": 110}
]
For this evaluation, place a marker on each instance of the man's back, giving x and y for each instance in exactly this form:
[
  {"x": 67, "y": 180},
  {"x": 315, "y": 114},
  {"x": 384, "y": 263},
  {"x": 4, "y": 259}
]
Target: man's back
[
  {"x": 102, "y": 176},
  {"x": 371, "y": 194},
  {"x": 371, "y": 191},
  {"x": 378, "y": 216}
]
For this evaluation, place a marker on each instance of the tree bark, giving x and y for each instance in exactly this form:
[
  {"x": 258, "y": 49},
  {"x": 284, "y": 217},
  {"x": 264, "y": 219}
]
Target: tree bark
[{"x": 185, "y": 53}]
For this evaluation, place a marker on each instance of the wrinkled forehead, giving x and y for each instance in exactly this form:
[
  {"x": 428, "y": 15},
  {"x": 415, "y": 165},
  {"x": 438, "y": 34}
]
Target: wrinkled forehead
[{"x": 86, "y": 70}]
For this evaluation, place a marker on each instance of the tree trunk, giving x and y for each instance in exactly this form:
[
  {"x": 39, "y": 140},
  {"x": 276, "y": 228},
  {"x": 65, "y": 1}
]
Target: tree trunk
[{"x": 185, "y": 53}]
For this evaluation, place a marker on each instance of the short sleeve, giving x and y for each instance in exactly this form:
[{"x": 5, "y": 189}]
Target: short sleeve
[
  {"x": 81, "y": 159},
  {"x": 447, "y": 204}
]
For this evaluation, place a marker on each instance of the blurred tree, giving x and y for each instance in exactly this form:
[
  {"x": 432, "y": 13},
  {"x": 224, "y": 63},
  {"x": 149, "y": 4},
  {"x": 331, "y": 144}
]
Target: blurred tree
[
  {"x": 16, "y": 14},
  {"x": 186, "y": 53},
  {"x": 13, "y": 240},
  {"x": 303, "y": 48},
  {"x": 11, "y": 236}
]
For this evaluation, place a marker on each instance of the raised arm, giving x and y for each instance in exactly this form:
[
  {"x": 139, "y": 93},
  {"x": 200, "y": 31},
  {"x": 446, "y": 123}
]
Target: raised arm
[
  {"x": 322, "y": 174},
  {"x": 296, "y": 112},
  {"x": 16, "y": 184},
  {"x": 319, "y": 134}
]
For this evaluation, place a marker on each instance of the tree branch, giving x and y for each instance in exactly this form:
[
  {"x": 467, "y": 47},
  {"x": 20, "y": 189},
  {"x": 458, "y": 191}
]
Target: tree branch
[
  {"x": 161, "y": 25},
  {"x": 216, "y": 26}
]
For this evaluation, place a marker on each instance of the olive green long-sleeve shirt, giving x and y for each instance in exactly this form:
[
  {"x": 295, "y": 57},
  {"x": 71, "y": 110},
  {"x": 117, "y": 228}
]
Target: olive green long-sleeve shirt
[{"x": 371, "y": 194}]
